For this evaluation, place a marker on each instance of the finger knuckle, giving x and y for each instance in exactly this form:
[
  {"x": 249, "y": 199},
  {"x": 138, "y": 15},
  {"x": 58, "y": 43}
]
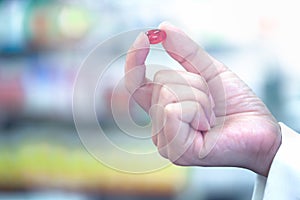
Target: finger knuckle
[
  {"x": 167, "y": 95},
  {"x": 202, "y": 98},
  {"x": 159, "y": 76},
  {"x": 163, "y": 153},
  {"x": 178, "y": 162},
  {"x": 171, "y": 110}
]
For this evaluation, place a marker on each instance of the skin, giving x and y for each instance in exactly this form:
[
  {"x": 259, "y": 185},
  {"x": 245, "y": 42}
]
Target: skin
[{"x": 204, "y": 115}]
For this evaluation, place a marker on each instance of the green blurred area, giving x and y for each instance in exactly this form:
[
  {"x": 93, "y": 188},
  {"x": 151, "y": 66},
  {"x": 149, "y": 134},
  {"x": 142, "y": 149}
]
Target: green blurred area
[{"x": 54, "y": 158}]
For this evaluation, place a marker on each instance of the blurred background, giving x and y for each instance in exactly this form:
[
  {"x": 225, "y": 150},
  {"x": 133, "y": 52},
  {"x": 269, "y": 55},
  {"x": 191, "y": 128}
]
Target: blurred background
[{"x": 42, "y": 45}]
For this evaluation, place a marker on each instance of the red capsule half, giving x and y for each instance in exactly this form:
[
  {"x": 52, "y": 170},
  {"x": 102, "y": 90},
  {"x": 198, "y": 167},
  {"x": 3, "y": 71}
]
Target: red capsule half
[{"x": 156, "y": 36}]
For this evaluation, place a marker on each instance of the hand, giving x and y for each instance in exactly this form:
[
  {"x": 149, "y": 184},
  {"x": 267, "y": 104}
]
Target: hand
[{"x": 206, "y": 115}]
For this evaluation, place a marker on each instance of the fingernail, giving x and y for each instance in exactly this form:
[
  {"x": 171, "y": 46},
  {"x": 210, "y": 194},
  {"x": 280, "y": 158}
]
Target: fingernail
[{"x": 165, "y": 23}]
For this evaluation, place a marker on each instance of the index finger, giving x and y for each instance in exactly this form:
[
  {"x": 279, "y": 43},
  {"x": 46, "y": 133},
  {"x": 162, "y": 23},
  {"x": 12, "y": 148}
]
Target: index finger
[
  {"x": 135, "y": 72},
  {"x": 189, "y": 54}
]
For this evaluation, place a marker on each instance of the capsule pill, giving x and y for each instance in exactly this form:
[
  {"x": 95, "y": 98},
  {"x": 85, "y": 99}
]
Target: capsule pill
[{"x": 156, "y": 36}]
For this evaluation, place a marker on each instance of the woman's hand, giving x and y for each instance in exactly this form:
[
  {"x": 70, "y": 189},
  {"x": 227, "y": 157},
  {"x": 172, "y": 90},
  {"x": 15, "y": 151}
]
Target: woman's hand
[{"x": 206, "y": 115}]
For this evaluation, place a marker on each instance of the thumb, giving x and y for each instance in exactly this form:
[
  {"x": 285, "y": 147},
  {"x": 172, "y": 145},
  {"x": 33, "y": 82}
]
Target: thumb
[{"x": 189, "y": 54}]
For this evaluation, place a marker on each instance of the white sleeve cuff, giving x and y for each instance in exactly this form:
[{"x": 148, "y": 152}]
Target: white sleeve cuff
[
  {"x": 259, "y": 188},
  {"x": 283, "y": 181}
]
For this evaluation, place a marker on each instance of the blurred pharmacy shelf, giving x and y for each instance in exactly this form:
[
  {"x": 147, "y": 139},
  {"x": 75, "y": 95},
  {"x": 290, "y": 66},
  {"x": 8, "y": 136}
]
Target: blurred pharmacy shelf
[{"x": 42, "y": 45}]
